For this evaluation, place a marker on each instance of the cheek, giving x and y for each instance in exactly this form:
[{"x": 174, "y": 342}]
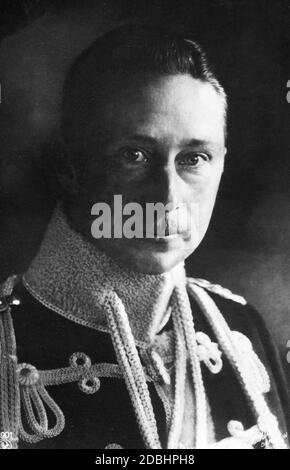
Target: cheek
[
  {"x": 203, "y": 191},
  {"x": 102, "y": 185},
  {"x": 202, "y": 201}
]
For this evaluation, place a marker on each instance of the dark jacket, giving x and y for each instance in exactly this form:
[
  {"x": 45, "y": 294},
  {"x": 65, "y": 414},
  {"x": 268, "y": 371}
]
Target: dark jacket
[{"x": 46, "y": 340}]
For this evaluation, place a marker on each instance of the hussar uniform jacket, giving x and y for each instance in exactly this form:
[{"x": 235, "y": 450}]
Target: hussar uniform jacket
[{"x": 65, "y": 375}]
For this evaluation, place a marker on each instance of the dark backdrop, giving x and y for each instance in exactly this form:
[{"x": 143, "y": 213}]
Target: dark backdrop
[{"x": 247, "y": 247}]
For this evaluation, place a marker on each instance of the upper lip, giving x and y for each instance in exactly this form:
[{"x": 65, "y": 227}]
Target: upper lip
[
  {"x": 165, "y": 228},
  {"x": 164, "y": 237},
  {"x": 154, "y": 234}
]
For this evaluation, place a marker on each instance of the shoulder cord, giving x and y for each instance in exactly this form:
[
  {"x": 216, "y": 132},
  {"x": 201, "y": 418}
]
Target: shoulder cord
[
  {"x": 180, "y": 373},
  {"x": 9, "y": 389},
  {"x": 11, "y": 394},
  {"x": 130, "y": 363},
  {"x": 37, "y": 396},
  {"x": 186, "y": 319},
  {"x": 266, "y": 421}
]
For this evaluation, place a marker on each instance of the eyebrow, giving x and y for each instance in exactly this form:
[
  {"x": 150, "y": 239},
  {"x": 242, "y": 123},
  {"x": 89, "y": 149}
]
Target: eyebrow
[{"x": 184, "y": 143}]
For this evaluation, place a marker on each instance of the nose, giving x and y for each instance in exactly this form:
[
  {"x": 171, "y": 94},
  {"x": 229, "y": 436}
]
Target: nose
[{"x": 168, "y": 186}]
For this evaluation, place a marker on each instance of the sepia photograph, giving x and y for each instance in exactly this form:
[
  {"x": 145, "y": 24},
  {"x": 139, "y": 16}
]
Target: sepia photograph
[{"x": 144, "y": 227}]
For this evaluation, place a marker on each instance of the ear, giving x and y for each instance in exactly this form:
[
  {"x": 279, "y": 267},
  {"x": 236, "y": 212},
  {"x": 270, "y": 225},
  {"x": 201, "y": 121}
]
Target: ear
[
  {"x": 65, "y": 169},
  {"x": 225, "y": 152}
]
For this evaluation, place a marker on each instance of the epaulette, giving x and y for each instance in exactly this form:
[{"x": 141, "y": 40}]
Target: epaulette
[{"x": 217, "y": 289}]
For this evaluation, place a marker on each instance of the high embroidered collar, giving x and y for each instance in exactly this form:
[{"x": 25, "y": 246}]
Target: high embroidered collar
[{"x": 70, "y": 276}]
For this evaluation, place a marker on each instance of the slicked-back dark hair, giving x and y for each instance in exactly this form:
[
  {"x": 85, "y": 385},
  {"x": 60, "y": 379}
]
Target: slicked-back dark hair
[{"x": 127, "y": 50}]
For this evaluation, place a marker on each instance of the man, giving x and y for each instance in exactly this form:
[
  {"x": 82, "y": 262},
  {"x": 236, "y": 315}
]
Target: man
[{"x": 105, "y": 342}]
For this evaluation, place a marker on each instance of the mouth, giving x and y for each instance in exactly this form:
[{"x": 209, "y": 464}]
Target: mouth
[
  {"x": 173, "y": 239},
  {"x": 167, "y": 230},
  {"x": 172, "y": 236},
  {"x": 166, "y": 235}
]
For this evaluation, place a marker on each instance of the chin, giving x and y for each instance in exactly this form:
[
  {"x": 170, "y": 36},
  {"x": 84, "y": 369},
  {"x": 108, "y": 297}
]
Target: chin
[{"x": 151, "y": 263}]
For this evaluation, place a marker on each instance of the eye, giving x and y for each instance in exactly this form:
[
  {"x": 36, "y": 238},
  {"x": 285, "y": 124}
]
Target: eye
[
  {"x": 133, "y": 156},
  {"x": 194, "y": 159}
]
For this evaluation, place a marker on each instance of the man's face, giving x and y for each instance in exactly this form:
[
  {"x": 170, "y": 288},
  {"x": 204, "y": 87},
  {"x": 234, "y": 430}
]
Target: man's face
[{"x": 154, "y": 140}]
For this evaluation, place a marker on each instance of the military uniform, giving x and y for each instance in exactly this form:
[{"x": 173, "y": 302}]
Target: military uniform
[{"x": 69, "y": 375}]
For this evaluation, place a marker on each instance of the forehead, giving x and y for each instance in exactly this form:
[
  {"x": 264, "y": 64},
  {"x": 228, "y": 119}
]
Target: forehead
[{"x": 169, "y": 108}]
